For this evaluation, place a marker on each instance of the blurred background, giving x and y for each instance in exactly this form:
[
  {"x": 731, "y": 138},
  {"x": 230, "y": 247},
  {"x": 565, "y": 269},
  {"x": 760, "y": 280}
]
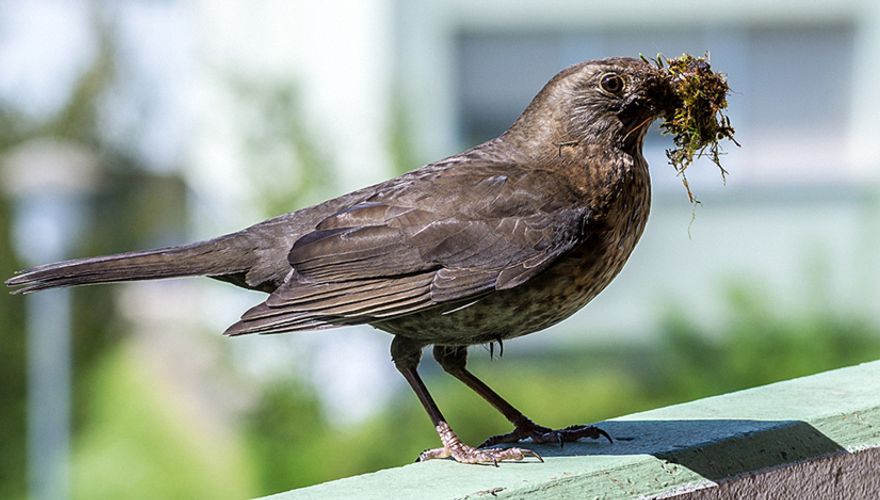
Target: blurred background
[{"x": 129, "y": 124}]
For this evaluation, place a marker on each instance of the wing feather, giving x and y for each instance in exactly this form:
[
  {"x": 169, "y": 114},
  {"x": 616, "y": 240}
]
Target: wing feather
[{"x": 411, "y": 248}]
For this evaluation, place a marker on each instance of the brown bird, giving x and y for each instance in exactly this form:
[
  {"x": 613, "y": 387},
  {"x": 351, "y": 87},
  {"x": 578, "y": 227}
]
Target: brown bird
[{"x": 502, "y": 240}]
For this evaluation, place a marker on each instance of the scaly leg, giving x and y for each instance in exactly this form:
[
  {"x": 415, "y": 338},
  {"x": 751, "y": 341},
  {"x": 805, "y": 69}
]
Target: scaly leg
[
  {"x": 453, "y": 359},
  {"x": 406, "y": 355}
]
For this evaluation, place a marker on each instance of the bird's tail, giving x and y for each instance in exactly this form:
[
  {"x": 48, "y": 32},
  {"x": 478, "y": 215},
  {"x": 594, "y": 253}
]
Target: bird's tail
[{"x": 209, "y": 258}]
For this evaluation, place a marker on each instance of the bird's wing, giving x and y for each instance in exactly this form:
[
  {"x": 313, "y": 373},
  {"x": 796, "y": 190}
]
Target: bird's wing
[{"x": 439, "y": 238}]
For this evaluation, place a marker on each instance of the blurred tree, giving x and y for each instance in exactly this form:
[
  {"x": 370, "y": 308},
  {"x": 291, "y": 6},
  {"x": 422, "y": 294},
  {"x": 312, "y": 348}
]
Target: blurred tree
[
  {"x": 133, "y": 421},
  {"x": 757, "y": 346},
  {"x": 286, "y": 430},
  {"x": 12, "y": 360},
  {"x": 287, "y": 169},
  {"x": 131, "y": 209},
  {"x": 401, "y": 148}
]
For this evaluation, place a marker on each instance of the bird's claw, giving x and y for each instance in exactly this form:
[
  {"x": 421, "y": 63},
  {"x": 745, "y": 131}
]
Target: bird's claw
[
  {"x": 469, "y": 455},
  {"x": 460, "y": 452},
  {"x": 540, "y": 435}
]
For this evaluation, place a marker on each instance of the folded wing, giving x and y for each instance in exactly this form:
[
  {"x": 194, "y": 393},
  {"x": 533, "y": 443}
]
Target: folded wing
[{"x": 441, "y": 238}]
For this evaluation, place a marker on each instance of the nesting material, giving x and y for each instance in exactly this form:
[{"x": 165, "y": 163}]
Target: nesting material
[{"x": 695, "y": 118}]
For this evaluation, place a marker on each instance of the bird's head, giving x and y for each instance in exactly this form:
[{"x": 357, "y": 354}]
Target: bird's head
[{"x": 608, "y": 102}]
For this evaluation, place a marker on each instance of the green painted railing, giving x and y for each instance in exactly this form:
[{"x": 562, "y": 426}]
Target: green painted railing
[{"x": 816, "y": 437}]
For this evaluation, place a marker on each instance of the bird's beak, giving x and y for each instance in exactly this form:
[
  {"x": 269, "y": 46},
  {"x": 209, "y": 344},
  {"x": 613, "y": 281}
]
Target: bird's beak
[
  {"x": 653, "y": 98},
  {"x": 658, "y": 94}
]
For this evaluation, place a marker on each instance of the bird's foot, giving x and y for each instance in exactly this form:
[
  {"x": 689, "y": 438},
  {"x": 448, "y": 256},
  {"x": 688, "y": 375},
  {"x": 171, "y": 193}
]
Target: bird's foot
[
  {"x": 460, "y": 452},
  {"x": 541, "y": 434}
]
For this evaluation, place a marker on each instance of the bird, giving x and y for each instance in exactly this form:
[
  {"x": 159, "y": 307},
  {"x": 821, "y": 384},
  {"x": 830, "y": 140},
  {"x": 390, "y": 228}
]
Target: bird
[{"x": 502, "y": 240}]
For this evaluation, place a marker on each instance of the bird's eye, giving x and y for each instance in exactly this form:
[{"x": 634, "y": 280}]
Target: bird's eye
[{"x": 611, "y": 83}]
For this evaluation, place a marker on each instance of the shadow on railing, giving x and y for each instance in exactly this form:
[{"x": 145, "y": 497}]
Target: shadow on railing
[{"x": 714, "y": 449}]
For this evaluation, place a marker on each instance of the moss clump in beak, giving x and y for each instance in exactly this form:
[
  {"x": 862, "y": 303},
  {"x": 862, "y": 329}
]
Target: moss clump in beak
[{"x": 695, "y": 116}]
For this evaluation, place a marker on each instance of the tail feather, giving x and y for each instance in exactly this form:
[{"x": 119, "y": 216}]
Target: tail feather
[{"x": 210, "y": 258}]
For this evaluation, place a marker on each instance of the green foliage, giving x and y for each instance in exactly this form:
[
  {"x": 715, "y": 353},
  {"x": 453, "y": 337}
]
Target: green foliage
[
  {"x": 138, "y": 441},
  {"x": 78, "y": 120},
  {"x": 297, "y": 428},
  {"x": 757, "y": 347},
  {"x": 401, "y": 149},
  {"x": 12, "y": 373},
  {"x": 288, "y": 167}
]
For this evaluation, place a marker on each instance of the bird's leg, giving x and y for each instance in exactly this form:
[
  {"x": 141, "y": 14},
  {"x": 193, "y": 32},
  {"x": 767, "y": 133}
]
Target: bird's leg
[
  {"x": 453, "y": 360},
  {"x": 406, "y": 355}
]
